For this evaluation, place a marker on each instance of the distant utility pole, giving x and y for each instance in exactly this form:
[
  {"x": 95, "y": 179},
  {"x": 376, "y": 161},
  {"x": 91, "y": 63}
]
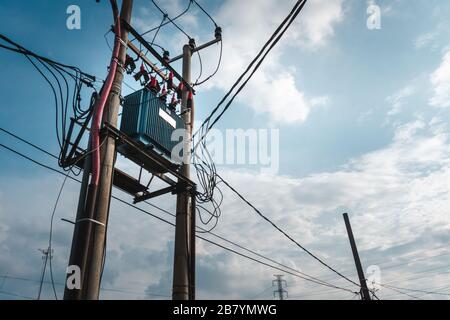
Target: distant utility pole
[
  {"x": 365, "y": 294},
  {"x": 182, "y": 275},
  {"x": 89, "y": 237},
  {"x": 46, "y": 253},
  {"x": 279, "y": 282}
]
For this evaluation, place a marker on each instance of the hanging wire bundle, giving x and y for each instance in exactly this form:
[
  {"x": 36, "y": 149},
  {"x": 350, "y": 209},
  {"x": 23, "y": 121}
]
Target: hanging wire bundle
[
  {"x": 66, "y": 83},
  {"x": 200, "y": 154}
]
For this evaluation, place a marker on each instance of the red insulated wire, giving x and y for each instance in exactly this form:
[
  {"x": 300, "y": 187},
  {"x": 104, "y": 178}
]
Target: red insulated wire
[{"x": 96, "y": 124}]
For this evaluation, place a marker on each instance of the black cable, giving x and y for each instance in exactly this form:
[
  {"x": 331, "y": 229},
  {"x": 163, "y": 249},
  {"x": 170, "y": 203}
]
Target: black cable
[
  {"x": 30, "y": 53},
  {"x": 288, "y": 20},
  {"x": 101, "y": 289},
  {"x": 419, "y": 290},
  {"x": 296, "y": 10},
  {"x": 257, "y": 66},
  {"x": 284, "y": 233},
  {"x": 243, "y": 248},
  {"x": 55, "y": 72},
  {"x": 168, "y": 222},
  {"x": 12, "y": 294},
  {"x": 157, "y": 30},
  {"x": 197, "y": 83},
  {"x": 51, "y": 234},
  {"x": 171, "y": 20},
  {"x": 209, "y": 16},
  {"x": 166, "y": 23},
  {"x": 29, "y": 143},
  {"x": 401, "y": 292},
  {"x": 261, "y": 215}
]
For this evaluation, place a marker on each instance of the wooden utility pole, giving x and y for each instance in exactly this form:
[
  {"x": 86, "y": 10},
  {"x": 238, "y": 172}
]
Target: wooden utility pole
[
  {"x": 89, "y": 236},
  {"x": 182, "y": 273},
  {"x": 365, "y": 294}
]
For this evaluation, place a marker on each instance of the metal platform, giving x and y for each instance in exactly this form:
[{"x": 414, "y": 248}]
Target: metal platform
[{"x": 146, "y": 158}]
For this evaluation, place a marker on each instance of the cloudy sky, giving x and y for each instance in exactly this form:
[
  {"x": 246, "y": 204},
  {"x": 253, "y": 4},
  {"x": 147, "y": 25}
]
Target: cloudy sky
[{"x": 363, "y": 119}]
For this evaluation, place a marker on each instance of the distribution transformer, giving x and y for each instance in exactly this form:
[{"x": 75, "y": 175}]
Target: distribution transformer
[{"x": 147, "y": 119}]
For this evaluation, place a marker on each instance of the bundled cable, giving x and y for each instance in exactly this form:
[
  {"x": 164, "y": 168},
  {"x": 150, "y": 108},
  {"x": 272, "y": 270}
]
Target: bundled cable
[
  {"x": 66, "y": 83},
  {"x": 201, "y": 158}
]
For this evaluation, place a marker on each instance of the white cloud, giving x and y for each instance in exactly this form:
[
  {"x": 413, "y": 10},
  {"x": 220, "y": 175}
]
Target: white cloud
[
  {"x": 318, "y": 22},
  {"x": 397, "y": 197},
  {"x": 274, "y": 88},
  {"x": 424, "y": 40},
  {"x": 397, "y": 100},
  {"x": 440, "y": 79}
]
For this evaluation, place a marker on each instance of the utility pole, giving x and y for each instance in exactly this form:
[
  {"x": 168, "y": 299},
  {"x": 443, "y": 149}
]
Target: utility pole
[
  {"x": 365, "y": 295},
  {"x": 95, "y": 266},
  {"x": 183, "y": 285},
  {"x": 280, "y": 291},
  {"x": 82, "y": 231},
  {"x": 90, "y": 235}
]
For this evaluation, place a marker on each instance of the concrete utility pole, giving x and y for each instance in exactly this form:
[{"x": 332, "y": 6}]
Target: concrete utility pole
[
  {"x": 279, "y": 281},
  {"x": 89, "y": 237},
  {"x": 182, "y": 275},
  {"x": 365, "y": 295}
]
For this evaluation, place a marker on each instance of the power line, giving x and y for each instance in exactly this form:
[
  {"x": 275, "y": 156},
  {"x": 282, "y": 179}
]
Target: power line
[
  {"x": 203, "y": 229},
  {"x": 284, "y": 233},
  {"x": 168, "y": 222},
  {"x": 12, "y": 277},
  {"x": 165, "y": 23},
  {"x": 246, "y": 249},
  {"x": 273, "y": 40},
  {"x": 8, "y": 293},
  {"x": 401, "y": 292},
  {"x": 205, "y": 12},
  {"x": 420, "y": 290},
  {"x": 171, "y": 20},
  {"x": 206, "y": 171},
  {"x": 51, "y": 233}
]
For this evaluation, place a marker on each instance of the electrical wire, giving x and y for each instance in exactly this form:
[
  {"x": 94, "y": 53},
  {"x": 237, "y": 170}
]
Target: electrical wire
[
  {"x": 198, "y": 82},
  {"x": 420, "y": 290},
  {"x": 51, "y": 233},
  {"x": 202, "y": 230},
  {"x": 285, "y": 234},
  {"x": 58, "y": 76},
  {"x": 168, "y": 222},
  {"x": 273, "y": 40},
  {"x": 20, "y": 278},
  {"x": 401, "y": 292},
  {"x": 166, "y": 23},
  {"x": 8, "y": 293},
  {"x": 171, "y": 20},
  {"x": 268, "y": 220},
  {"x": 209, "y": 16},
  {"x": 201, "y": 158}
]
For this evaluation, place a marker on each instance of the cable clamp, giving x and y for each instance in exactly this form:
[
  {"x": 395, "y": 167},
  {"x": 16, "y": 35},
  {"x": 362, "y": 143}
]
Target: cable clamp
[{"x": 91, "y": 220}]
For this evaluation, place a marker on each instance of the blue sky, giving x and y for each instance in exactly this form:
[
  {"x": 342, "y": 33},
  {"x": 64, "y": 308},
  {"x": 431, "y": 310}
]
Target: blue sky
[{"x": 363, "y": 119}]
